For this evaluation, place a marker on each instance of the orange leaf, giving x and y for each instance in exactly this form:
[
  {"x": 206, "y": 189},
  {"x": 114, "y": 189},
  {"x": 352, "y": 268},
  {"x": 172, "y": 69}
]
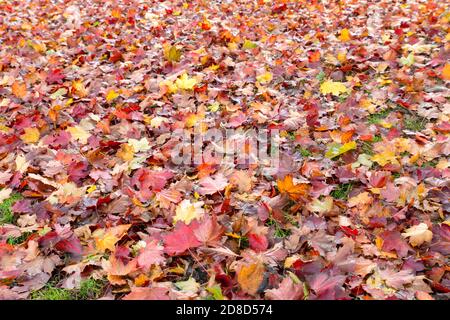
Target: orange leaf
[
  {"x": 345, "y": 35},
  {"x": 250, "y": 277},
  {"x": 107, "y": 238},
  {"x": 19, "y": 89},
  {"x": 446, "y": 72},
  {"x": 294, "y": 191}
]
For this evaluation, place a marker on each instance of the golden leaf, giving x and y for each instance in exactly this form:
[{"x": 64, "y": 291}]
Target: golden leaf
[
  {"x": 345, "y": 35},
  {"x": 250, "y": 277},
  {"x": 78, "y": 133},
  {"x": 264, "y": 78},
  {"x": 106, "y": 239},
  {"x": 335, "y": 88},
  {"x": 31, "y": 135},
  {"x": 126, "y": 152},
  {"x": 111, "y": 95},
  {"x": 446, "y": 72},
  {"x": 185, "y": 82}
]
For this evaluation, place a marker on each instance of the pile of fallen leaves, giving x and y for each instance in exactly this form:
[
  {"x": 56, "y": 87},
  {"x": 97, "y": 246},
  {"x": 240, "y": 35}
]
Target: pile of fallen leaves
[{"x": 90, "y": 92}]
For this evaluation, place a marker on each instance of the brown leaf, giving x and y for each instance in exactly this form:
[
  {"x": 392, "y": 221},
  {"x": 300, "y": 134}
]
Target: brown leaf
[{"x": 250, "y": 277}]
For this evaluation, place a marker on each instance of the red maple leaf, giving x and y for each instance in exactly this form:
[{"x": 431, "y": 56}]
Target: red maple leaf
[
  {"x": 392, "y": 240},
  {"x": 180, "y": 240},
  {"x": 77, "y": 171},
  {"x": 258, "y": 242},
  {"x": 55, "y": 76}
]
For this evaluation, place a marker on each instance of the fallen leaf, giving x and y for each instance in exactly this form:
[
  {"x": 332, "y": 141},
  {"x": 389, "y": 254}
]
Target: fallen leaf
[
  {"x": 106, "y": 239},
  {"x": 337, "y": 149},
  {"x": 111, "y": 95},
  {"x": 31, "y": 135},
  {"x": 185, "y": 82},
  {"x": 150, "y": 254},
  {"x": 446, "y": 72},
  {"x": 250, "y": 277},
  {"x": 187, "y": 211},
  {"x": 78, "y": 133},
  {"x": 19, "y": 89},
  {"x": 180, "y": 240},
  {"x": 335, "y": 88},
  {"x": 344, "y": 35},
  {"x": 418, "y": 234},
  {"x": 288, "y": 290},
  {"x": 295, "y": 191}
]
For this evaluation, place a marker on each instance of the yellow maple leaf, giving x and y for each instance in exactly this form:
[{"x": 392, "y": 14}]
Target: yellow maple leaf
[
  {"x": 106, "y": 239},
  {"x": 385, "y": 157},
  {"x": 185, "y": 82},
  {"x": 192, "y": 119},
  {"x": 111, "y": 95},
  {"x": 342, "y": 56},
  {"x": 335, "y": 88},
  {"x": 345, "y": 35},
  {"x": 172, "y": 53},
  {"x": 78, "y": 133},
  {"x": 169, "y": 85},
  {"x": 187, "y": 211},
  {"x": 126, "y": 152},
  {"x": 264, "y": 78},
  {"x": 418, "y": 234},
  {"x": 248, "y": 45},
  {"x": 79, "y": 88},
  {"x": 31, "y": 135},
  {"x": 91, "y": 189}
]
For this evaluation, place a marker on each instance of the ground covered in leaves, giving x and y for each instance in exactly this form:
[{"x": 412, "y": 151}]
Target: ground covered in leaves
[{"x": 93, "y": 206}]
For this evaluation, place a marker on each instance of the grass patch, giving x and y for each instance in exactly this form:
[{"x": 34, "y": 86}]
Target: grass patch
[
  {"x": 367, "y": 146},
  {"x": 432, "y": 163},
  {"x": 414, "y": 123},
  {"x": 6, "y": 214},
  {"x": 304, "y": 152},
  {"x": 243, "y": 243},
  {"x": 377, "y": 138},
  {"x": 90, "y": 289},
  {"x": 396, "y": 175},
  {"x": 18, "y": 240},
  {"x": 342, "y": 191},
  {"x": 377, "y": 117},
  {"x": 279, "y": 231},
  {"x": 52, "y": 293}
]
